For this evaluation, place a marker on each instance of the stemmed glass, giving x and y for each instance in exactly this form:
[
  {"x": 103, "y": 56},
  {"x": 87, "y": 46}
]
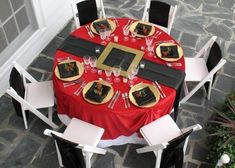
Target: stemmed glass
[
  {"x": 108, "y": 74},
  {"x": 102, "y": 33},
  {"x": 130, "y": 76},
  {"x": 149, "y": 42},
  {"x": 134, "y": 71},
  {"x": 108, "y": 33},
  {"x": 86, "y": 62},
  {"x": 133, "y": 34},
  {"x": 92, "y": 61},
  {"x": 125, "y": 30},
  {"x": 116, "y": 72}
]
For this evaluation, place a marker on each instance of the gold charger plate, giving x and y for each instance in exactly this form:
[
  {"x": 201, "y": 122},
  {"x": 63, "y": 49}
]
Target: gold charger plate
[
  {"x": 106, "y": 99},
  {"x": 159, "y": 54},
  {"x": 80, "y": 69},
  {"x": 140, "y": 86},
  {"x": 133, "y": 26},
  {"x": 112, "y": 24}
]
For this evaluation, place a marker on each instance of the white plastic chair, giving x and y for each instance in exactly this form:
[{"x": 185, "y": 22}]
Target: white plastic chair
[
  {"x": 157, "y": 13},
  {"x": 100, "y": 11},
  {"x": 31, "y": 96},
  {"x": 159, "y": 133},
  {"x": 86, "y": 135},
  {"x": 202, "y": 68}
]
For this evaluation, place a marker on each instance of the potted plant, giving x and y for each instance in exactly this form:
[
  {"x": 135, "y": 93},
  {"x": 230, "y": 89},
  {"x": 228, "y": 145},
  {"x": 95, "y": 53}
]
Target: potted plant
[{"x": 222, "y": 131}]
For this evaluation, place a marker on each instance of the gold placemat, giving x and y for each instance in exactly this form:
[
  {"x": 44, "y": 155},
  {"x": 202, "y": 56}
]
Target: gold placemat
[
  {"x": 140, "y": 86},
  {"x": 112, "y": 24},
  {"x": 159, "y": 54},
  {"x": 80, "y": 71},
  {"x": 133, "y": 26},
  {"x": 106, "y": 99}
]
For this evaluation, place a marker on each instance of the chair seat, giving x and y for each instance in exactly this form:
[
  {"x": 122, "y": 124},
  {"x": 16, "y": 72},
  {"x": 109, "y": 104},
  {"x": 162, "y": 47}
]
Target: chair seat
[
  {"x": 40, "y": 94},
  {"x": 196, "y": 69},
  {"x": 160, "y": 130},
  {"x": 86, "y": 133}
]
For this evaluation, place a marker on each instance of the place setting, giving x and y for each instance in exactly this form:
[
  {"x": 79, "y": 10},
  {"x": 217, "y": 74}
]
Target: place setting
[{"x": 142, "y": 29}]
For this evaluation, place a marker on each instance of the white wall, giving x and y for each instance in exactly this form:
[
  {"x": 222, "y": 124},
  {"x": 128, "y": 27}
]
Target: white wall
[{"x": 52, "y": 16}]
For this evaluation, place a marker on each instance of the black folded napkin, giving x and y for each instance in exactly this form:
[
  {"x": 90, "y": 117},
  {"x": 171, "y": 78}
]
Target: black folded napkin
[
  {"x": 143, "y": 29},
  {"x": 169, "y": 51},
  {"x": 103, "y": 24},
  {"x": 97, "y": 92},
  {"x": 144, "y": 96},
  {"x": 67, "y": 70}
]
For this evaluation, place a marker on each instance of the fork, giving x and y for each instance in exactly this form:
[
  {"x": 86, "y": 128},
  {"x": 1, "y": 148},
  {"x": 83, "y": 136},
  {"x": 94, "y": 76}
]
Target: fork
[
  {"x": 127, "y": 99},
  {"x": 88, "y": 31},
  {"x": 173, "y": 64},
  {"x": 78, "y": 91},
  {"x": 66, "y": 84},
  {"x": 124, "y": 99},
  {"x": 92, "y": 34}
]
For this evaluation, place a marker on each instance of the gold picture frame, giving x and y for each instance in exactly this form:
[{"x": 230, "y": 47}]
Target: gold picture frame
[{"x": 104, "y": 55}]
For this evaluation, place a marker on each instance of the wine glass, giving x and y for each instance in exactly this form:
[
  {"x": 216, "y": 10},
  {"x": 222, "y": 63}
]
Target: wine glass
[
  {"x": 116, "y": 72},
  {"x": 149, "y": 42},
  {"x": 130, "y": 76},
  {"x": 134, "y": 71},
  {"x": 86, "y": 62},
  {"x": 102, "y": 33},
  {"x": 108, "y": 74},
  {"x": 108, "y": 33},
  {"x": 125, "y": 31},
  {"x": 92, "y": 61},
  {"x": 133, "y": 34}
]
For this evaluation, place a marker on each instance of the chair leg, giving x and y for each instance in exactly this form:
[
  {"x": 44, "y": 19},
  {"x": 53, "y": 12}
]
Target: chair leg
[
  {"x": 88, "y": 160},
  {"x": 209, "y": 90},
  {"x": 25, "y": 119},
  {"x": 59, "y": 155},
  {"x": 185, "y": 88},
  {"x": 50, "y": 112}
]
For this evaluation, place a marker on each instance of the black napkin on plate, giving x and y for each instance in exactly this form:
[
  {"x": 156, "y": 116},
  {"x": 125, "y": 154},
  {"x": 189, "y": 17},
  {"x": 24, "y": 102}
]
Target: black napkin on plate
[
  {"x": 169, "y": 51},
  {"x": 68, "y": 69},
  {"x": 96, "y": 94},
  {"x": 103, "y": 24},
  {"x": 144, "y": 96},
  {"x": 143, "y": 29}
]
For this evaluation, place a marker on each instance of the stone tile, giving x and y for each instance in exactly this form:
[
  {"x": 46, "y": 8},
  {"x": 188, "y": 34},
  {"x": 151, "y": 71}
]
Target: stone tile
[
  {"x": 18, "y": 122},
  {"x": 228, "y": 23},
  {"x": 37, "y": 75},
  {"x": 104, "y": 161},
  {"x": 129, "y": 4},
  {"x": 225, "y": 83},
  {"x": 199, "y": 19},
  {"x": 71, "y": 26},
  {"x": 6, "y": 108},
  {"x": 208, "y": 8},
  {"x": 231, "y": 48},
  {"x": 220, "y": 15},
  {"x": 48, "y": 157},
  {"x": 116, "y": 3},
  {"x": 220, "y": 30},
  {"x": 188, "y": 40},
  {"x": 2, "y": 147},
  {"x": 200, "y": 153},
  {"x": 175, "y": 34},
  {"x": 52, "y": 46},
  {"x": 195, "y": 4},
  {"x": 8, "y": 135},
  {"x": 229, "y": 68},
  {"x": 217, "y": 99},
  {"x": 22, "y": 154},
  {"x": 43, "y": 63},
  {"x": 204, "y": 165},
  {"x": 188, "y": 26},
  {"x": 135, "y": 160},
  {"x": 227, "y": 3},
  {"x": 38, "y": 128},
  {"x": 119, "y": 149},
  {"x": 192, "y": 165},
  {"x": 211, "y": 1},
  {"x": 188, "y": 52},
  {"x": 199, "y": 96}
]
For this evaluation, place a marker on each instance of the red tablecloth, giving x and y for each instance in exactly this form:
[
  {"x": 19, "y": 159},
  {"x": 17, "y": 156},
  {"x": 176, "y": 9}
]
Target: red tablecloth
[{"x": 118, "y": 121}]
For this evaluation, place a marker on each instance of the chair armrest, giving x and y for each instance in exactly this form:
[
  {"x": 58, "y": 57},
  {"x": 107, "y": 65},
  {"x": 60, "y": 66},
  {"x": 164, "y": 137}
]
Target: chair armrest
[
  {"x": 91, "y": 149},
  {"x": 152, "y": 148},
  {"x": 195, "y": 127}
]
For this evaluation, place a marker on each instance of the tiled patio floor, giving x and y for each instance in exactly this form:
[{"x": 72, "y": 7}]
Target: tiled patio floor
[{"x": 196, "y": 21}]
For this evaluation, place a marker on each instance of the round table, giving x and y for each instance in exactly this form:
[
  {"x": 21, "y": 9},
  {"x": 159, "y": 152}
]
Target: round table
[{"x": 119, "y": 121}]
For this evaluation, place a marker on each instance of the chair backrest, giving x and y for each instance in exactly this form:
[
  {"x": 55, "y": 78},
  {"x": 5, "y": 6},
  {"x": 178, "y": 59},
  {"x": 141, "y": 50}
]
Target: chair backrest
[
  {"x": 173, "y": 154},
  {"x": 16, "y": 82},
  {"x": 72, "y": 157},
  {"x": 86, "y": 11},
  {"x": 159, "y": 13}
]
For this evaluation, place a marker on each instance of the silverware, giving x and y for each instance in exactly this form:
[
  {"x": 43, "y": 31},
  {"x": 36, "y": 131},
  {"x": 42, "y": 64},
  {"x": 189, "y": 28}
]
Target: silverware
[
  {"x": 117, "y": 24},
  {"x": 173, "y": 64},
  {"x": 111, "y": 102},
  {"x": 89, "y": 33},
  {"x": 77, "y": 92},
  {"x": 160, "y": 89},
  {"x": 158, "y": 35},
  {"x": 63, "y": 59},
  {"x": 92, "y": 34},
  {"x": 115, "y": 100},
  {"x": 66, "y": 84},
  {"x": 127, "y": 100},
  {"x": 124, "y": 99}
]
